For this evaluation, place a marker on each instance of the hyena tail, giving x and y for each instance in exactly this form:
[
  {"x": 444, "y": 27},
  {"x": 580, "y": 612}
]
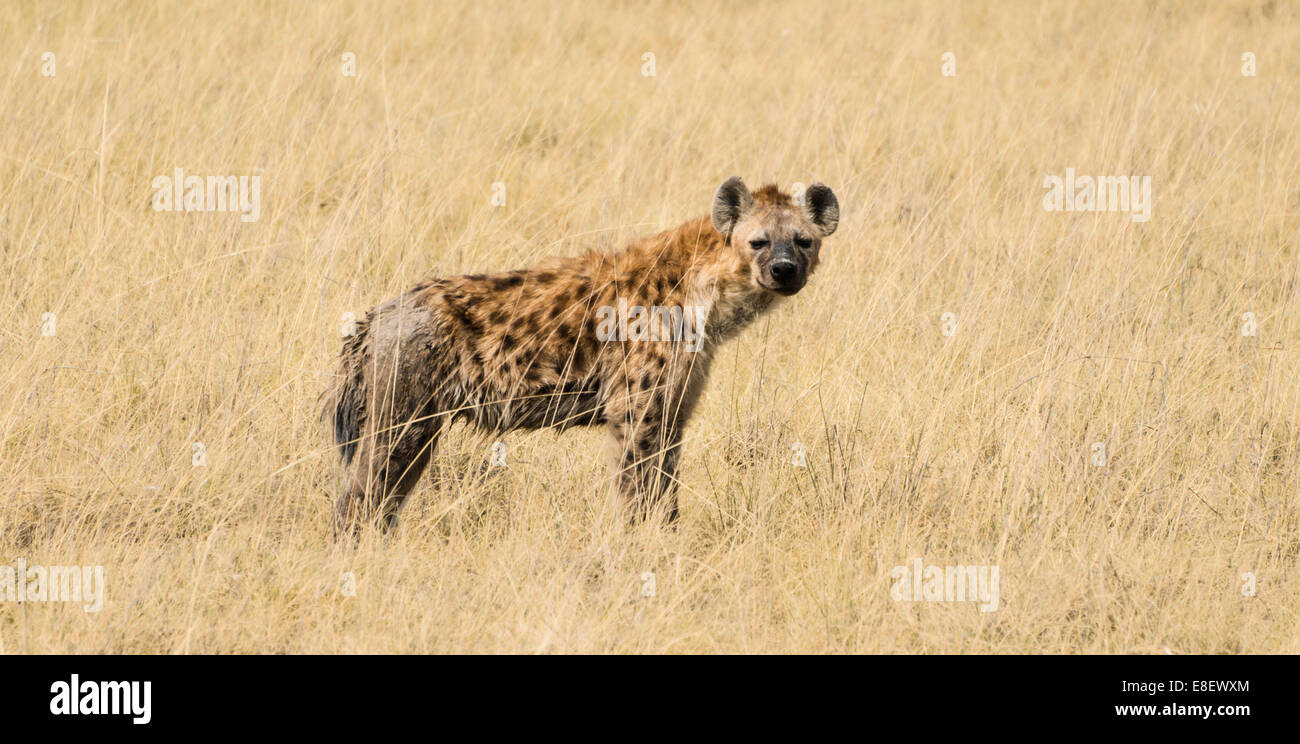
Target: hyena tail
[{"x": 345, "y": 404}]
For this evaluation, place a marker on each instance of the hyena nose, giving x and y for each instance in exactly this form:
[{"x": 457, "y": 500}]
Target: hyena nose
[{"x": 784, "y": 271}]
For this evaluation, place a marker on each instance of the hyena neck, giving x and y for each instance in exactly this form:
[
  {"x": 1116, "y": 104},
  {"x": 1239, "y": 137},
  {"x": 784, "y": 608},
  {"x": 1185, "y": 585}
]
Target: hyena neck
[
  {"x": 719, "y": 280},
  {"x": 732, "y": 308},
  {"x": 691, "y": 267}
]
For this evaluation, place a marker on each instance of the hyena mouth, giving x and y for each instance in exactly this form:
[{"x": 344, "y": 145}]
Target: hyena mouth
[{"x": 784, "y": 291}]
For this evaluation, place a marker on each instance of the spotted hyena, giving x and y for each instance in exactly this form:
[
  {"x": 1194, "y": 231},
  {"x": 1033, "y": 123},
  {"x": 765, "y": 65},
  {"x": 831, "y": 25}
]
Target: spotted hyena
[{"x": 620, "y": 339}]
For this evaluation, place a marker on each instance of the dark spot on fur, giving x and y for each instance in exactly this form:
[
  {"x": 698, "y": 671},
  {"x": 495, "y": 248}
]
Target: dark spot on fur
[
  {"x": 579, "y": 356},
  {"x": 463, "y": 315}
]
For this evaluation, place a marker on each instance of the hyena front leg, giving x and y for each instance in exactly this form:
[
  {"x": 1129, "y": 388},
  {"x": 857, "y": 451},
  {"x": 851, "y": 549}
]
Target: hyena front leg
[
  {"x": 645, "y": 424},
  {"x": 646, "y": 457}
]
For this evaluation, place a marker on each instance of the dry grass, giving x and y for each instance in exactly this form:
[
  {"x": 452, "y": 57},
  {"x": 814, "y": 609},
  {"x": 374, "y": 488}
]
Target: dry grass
[{"x": 1073, "y": 328}]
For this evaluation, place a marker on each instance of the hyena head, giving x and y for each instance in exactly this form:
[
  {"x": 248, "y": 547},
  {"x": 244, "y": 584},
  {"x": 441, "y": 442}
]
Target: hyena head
[{"x": 778, "y": 239}]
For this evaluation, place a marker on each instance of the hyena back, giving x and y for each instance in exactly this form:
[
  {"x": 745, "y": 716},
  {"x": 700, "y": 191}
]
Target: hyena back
[{"x": 547, "y": 347}]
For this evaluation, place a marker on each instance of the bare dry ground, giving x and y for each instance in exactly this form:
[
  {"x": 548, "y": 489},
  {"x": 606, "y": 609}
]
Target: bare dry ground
[{"x": 962, "y": 439}]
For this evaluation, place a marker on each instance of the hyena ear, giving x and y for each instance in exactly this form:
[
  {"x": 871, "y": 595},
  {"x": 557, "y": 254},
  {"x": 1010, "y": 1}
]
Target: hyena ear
[
  {"x": 731, "y": 201},
  {"x": 822, "y": 207}
]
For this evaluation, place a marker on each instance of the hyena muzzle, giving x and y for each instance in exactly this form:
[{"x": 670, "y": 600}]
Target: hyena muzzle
[{"x": 618, "y": 339}]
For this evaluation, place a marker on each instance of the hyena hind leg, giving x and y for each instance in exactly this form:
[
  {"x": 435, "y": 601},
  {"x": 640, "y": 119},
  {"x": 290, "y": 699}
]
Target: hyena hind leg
[{"x": 382, "y": 476}]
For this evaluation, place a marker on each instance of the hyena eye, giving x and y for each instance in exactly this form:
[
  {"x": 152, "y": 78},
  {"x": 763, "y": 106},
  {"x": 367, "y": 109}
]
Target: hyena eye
[
  {"x": 758, "y": 245},
  {"x": 803, "y": 242}
]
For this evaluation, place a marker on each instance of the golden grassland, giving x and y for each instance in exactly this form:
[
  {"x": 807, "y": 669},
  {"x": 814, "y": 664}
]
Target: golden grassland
[{"x": 974, "y": 448}]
